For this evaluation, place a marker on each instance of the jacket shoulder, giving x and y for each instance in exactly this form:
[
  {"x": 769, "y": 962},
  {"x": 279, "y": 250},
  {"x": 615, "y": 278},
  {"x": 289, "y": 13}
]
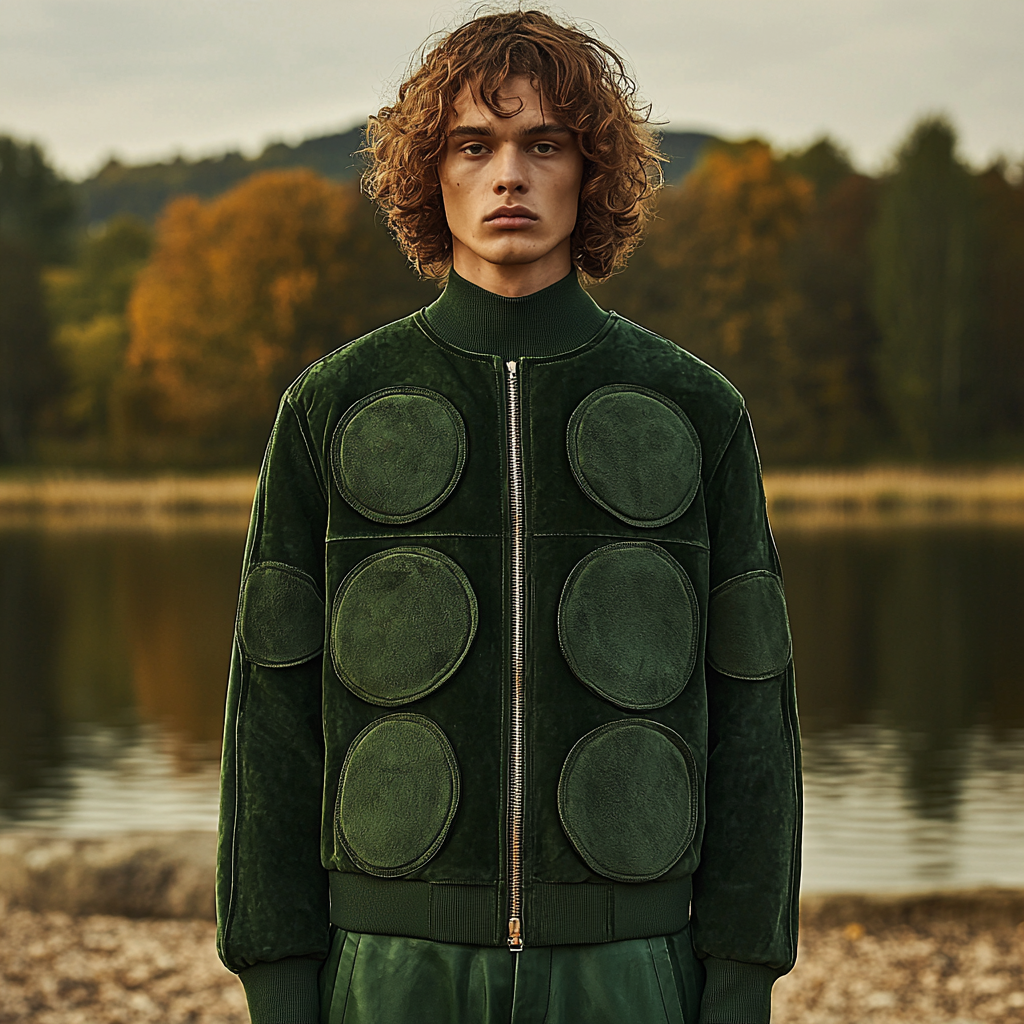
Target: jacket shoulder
[
  {"x": 710, "y": 400},
  {"x": 397, "y": 341}
]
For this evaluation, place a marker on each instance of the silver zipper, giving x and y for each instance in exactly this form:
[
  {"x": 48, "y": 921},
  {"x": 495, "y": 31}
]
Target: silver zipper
[{"x": 515, "y": 786}]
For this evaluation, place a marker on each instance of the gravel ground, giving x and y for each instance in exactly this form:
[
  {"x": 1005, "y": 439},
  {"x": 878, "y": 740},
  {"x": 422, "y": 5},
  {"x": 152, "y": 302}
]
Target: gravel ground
[
  {"x": 944, "y": 972},
  {"x": 934, "y": 967},
  {"x": 56, "y": 969}
]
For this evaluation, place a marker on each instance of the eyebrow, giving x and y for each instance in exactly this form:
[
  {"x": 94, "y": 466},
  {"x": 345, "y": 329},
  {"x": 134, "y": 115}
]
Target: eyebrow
[{"x": 483, "y": 130}]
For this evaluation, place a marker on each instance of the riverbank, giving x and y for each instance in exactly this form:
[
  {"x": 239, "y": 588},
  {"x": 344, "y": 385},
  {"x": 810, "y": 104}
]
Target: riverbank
[
  {"x": 811, "y": 498},
  {"x": 902, "y": 962}
]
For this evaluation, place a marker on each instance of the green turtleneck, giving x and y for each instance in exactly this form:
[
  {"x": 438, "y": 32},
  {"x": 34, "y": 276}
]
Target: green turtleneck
[{"x": 554, "y": 320}]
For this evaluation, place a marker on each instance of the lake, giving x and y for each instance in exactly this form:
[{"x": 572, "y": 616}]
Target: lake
[{"x": 114, "y": 647}]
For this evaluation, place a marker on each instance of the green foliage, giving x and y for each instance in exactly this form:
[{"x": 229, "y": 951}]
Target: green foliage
[
  {"x": 107, "y": 260},
  {"x": 87, "y": 304},
  {"x": 1002, "y": 300},
  {"x": 37, "y": 211},
  {"x": 27, "y": 372},
  {"x": 37, "y": 206},
  {"x": 925, "y": 292},
  {"x": 824, "y": 164}
]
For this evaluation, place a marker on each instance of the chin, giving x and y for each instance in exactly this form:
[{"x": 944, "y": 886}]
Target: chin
[{"x": 515, "y": 256}]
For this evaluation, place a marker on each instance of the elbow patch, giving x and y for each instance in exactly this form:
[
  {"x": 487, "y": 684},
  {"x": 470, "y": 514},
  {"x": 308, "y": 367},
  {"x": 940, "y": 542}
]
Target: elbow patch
[
  {"x": 280, "y": 616},
  {"x": 748, "y": 628}
]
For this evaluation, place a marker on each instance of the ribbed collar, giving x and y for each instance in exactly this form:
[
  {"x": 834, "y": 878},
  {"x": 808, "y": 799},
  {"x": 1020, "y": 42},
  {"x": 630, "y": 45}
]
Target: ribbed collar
[{"x": 554, "y": 320}]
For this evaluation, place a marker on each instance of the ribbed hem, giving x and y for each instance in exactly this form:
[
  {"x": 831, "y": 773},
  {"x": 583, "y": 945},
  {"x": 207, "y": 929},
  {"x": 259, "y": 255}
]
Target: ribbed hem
[
  {"x": 283, "y": 991},
  {"x": 550, "y": 322},
  {"x": 556, "y": 914},
  {"x": 736, "y": 993}
]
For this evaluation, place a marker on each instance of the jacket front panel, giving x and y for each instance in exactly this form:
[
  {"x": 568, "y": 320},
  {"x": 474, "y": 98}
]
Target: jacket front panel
[
  {"x": 633, "y": 461},
  {"x": 566, "y": 527},
  {"x": 469, "y": 530}
]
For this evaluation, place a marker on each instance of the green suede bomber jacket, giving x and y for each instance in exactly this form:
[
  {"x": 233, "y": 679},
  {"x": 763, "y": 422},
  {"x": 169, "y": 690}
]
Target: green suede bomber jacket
[{"x": 512, "y": 663}]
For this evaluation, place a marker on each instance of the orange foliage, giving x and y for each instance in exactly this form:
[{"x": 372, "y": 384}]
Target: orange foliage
[
  {"x": 241, "y": 293},
  {"x": 747, "y": 268},
  {"x": 724, "y": 235}
]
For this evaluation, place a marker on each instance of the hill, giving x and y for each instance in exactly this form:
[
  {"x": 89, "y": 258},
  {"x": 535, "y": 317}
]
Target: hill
[{"x": 144, "y": 189}]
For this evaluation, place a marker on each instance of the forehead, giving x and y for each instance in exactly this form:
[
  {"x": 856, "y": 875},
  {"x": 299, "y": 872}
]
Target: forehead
[{"x": 517, "y": 93}]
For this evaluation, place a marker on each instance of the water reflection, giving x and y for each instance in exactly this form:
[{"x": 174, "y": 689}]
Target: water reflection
[
  {"x": 911, "y": 705},
  {"x": 114, "y": 647},
  {"x": 113, "y": 657}
]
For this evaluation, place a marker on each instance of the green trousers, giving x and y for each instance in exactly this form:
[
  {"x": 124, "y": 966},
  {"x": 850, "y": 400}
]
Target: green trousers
[{"x": 381, "y": 979}]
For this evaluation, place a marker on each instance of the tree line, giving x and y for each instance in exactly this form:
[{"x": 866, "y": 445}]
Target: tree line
[{"x": 862, "y": 317}]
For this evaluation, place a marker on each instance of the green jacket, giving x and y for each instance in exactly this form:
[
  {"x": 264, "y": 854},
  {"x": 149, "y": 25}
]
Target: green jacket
[{"x": 512, "y": 661}]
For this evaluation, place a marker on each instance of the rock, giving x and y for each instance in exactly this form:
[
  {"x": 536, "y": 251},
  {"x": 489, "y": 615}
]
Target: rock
[
  {"x": 980, "y": 908},
  {"x": 148, "y": 874}
]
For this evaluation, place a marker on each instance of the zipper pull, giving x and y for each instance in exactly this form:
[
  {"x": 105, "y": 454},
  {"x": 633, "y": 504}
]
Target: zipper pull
[
  {"x": 511, "y": 367},
  {"x": 515, "y": 938}
]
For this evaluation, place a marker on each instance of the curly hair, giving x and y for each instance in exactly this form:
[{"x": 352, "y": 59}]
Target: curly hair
[{"x": 581, "y": 80}]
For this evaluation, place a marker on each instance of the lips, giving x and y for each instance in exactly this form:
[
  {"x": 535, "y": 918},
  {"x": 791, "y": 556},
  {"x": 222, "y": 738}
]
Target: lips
[{"x": 511, "y": 217}]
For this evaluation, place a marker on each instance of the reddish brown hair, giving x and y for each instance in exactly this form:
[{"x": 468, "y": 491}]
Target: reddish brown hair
[{"x": 580, "y": 79}]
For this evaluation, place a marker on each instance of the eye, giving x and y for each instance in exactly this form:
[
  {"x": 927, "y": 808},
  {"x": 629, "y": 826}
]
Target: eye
[
  {"x": 474, "y": 149},
  {"x": 545, "y": 148}
]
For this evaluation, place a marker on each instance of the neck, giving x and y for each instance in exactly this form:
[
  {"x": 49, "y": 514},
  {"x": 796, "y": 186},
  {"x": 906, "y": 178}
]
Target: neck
[
  {"x": 551, "y": 321},
  {"x": 511, "y": 280}
]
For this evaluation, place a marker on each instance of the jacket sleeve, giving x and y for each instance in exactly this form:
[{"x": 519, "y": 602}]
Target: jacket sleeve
[
  {"x": 272, "y": 894},
  {"x": 745, "y": 901}
]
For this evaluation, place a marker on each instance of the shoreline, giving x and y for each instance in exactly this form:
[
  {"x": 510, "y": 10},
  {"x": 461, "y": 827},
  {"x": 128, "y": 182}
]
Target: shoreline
[
  {"x": 169, "y": 875},
  {"x": 873, "y": 497},
  {"x": 120, "y": 930}
]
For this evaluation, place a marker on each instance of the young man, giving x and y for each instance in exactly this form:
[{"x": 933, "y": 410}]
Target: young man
[{"x": 511, "y": 726}]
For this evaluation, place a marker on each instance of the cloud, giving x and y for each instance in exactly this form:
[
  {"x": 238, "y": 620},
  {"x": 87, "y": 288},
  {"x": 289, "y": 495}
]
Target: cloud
[{"x": 147, "y": 78}]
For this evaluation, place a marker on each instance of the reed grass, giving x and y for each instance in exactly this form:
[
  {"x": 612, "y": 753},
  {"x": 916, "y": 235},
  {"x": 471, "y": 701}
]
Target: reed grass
[{"x": 805, "y": 499}]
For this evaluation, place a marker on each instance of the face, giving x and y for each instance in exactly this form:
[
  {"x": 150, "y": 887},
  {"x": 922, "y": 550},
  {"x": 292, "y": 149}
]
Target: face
[{"x": 511, "y": 186}]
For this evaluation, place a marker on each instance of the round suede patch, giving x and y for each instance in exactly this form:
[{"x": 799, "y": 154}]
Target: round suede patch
[
  {"x": 635, "y": 454},
  {"x": 398, "y": 454},
  {"x": 397, "y": 796},
  {"x": 280, "y": 616},
  {"x": 627, "y": 799},
  {"x": 748, "y": 628},
  {"x": 628, "y": 624},
  {"x": 402, "y": 621}
]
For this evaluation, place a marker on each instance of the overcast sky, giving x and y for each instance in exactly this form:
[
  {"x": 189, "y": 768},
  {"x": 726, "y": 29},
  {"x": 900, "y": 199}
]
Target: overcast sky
[{"x": 145, "y": 79}]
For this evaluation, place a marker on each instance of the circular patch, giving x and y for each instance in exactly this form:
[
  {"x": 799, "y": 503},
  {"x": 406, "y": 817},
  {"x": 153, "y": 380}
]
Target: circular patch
[
  {"x": 635, "y": 454},
  {"x": 627, "y": 799},
  {"x": 398, "y": 454},
  {"x": 280, "y": 616},
  {"x": 397, "y": 796},
  {"x": 402, "y": 621},
  {"x": 748, "y": 628},
  {"x": 628, "y": 624}
]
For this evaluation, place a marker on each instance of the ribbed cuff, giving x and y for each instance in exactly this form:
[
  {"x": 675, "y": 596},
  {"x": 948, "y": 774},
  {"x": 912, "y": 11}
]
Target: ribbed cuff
[
  {"x": 283, "y": 991},
  {"x": 736, "y": 993}
]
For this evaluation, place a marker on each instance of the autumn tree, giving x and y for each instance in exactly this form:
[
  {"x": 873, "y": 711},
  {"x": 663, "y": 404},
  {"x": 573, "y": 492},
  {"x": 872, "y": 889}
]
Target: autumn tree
[
  {"x": 712, "y": 276},
  {"x": 925, "y": 292},
  {"x": 835, "y": 333},
  {"x": 244, "y": 291}
]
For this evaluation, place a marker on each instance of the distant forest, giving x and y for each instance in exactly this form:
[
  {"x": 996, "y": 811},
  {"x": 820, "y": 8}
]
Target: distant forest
[
  {"x": 151, "y": 315},
  {"x": 143, "y": 190}
]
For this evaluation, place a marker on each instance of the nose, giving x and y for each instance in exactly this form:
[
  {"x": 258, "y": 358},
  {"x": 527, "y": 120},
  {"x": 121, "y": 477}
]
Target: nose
[{"x": 510, "y": 171}]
